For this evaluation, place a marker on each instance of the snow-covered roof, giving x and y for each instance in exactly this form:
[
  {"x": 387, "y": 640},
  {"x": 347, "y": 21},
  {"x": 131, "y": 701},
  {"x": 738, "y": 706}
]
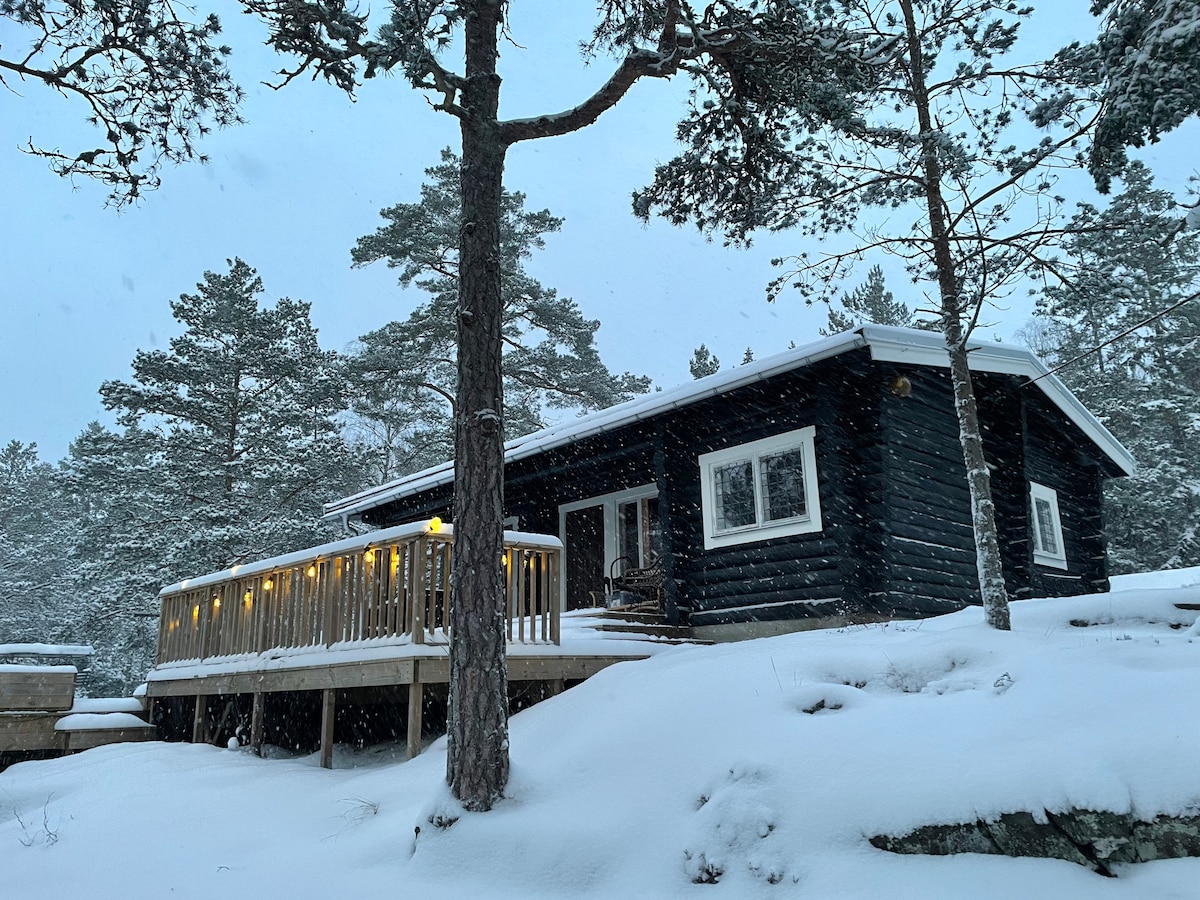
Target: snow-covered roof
[{"x": 886, "y": 343}]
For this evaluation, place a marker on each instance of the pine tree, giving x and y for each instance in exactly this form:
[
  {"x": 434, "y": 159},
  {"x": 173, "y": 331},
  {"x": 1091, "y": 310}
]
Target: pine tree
[
  {"x": 33, "y": 567},
  {"x": 652, "y": 39},
  {"x": 1147, "y": 60},
  {"x": 246, "y": 402},
  {"x": 152, "y": 83},
  {"x": 1123, "y": 269},
  {"x": 405, "y": 373},
  {"x": 130, "y": 525},
  {"x": 230, "y": 443},
  {"x": 872, "y": 302},
  {"x": 703, "y": 363}
]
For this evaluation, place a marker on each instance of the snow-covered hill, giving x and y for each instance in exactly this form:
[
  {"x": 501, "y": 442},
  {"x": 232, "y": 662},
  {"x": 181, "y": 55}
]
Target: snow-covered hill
[{"x": 765, "y": 764}]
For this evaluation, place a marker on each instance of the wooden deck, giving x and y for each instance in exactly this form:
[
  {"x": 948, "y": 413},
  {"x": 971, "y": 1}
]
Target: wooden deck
[{"x": 356, "y": 622}]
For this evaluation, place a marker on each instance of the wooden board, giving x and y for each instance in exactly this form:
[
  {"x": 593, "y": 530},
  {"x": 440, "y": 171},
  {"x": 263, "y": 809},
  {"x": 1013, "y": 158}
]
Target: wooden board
[
  {"x": 316, "y": 678},
  {"x": 30, "y": 731},
  {"x": 28, "y": 688},
  {"x": 86, "y": 739}
]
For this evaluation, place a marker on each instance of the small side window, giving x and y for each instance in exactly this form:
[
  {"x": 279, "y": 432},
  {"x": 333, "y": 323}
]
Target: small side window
[{"x": 1046, "y": 525}]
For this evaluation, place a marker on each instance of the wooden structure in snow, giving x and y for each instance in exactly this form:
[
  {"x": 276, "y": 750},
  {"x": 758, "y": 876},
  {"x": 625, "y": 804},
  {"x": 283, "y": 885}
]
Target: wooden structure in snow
[
  {"x": 819, "y": 487},
  {"x": 41, "y": 716},
  {"x": 353, "y": 622}
]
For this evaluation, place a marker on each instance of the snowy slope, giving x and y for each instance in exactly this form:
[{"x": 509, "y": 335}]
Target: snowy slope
[{"x": 700, "y": 758}]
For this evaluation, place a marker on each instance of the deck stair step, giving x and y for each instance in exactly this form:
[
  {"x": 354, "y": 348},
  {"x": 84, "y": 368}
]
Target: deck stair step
[
  {"x": 644, "y": 624},
  {"x": 679, "y": 632}
]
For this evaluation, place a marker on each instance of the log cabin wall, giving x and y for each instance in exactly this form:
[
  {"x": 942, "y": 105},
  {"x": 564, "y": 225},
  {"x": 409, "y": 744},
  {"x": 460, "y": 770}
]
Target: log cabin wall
[
  {"x": 801, "y": 576},
  {"x": 1059, "y": 456},
  {"x": 928, "y": 555},
  {"x": 1002, "y": 419}
]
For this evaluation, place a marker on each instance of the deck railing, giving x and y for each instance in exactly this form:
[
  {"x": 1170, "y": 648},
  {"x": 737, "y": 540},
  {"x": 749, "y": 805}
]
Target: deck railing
[{"x": 393, "y": 583}]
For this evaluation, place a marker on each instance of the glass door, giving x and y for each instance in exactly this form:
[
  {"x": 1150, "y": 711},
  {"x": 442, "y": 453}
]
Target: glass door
[
  {"x": 605, "y": 536},
  {"x": 583, "y": 547}
]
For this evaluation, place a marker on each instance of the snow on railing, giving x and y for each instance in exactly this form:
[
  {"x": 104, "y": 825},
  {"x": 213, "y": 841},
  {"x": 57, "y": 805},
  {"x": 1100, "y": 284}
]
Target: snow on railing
[{"x": 392, "y": 583}]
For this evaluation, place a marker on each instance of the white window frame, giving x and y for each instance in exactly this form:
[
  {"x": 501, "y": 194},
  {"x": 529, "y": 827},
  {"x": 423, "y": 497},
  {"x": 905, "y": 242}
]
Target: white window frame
[
  {"x": 803, "y": 439},
  {"x": 1042, "y": 556}
]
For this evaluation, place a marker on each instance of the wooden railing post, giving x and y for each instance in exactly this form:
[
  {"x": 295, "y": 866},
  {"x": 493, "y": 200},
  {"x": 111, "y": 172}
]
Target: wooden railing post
[{"x": 417, "y": 595}]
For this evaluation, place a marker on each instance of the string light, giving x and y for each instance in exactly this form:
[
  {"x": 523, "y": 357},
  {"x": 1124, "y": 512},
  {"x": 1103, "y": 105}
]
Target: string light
[
  {"x": 268, "y": 584},
  {"x": 368, "y": 555},
  {"x": 312, "y": 570},
  {"x": 435, "y": 524},
  {"x": 248, "y": 597},
  {"x": 216, "y": 602}
]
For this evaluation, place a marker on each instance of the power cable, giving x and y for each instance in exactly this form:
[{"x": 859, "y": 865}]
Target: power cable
[{"x": 1113, "y": 340}]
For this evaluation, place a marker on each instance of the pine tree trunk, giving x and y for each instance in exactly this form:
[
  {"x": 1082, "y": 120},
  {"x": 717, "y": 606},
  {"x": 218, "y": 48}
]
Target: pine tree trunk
[
  {"x": 477, "y": 728},
  {"x": 983, "y": 510}
]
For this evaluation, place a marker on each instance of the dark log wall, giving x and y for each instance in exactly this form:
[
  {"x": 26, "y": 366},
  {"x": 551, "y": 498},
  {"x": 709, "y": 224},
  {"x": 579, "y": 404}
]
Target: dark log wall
[
  {"x": 438, "y": 502},
  {"x": 928, "y": 556},
  {"x": 1061, "y": 457},
  {"x": 604, "y": 464},
  {"x": 1001, "y": 414},
  {"x": 789, "y": 577}
]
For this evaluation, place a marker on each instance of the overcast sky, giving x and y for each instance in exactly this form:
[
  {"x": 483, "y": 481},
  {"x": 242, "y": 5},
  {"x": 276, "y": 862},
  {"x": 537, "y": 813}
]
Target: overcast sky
[{"x": 85, "y": 287}]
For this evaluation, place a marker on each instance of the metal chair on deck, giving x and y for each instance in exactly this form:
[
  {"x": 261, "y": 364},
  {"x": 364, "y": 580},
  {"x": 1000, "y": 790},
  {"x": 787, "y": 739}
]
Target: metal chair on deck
[{"x": 640, "y": 586}]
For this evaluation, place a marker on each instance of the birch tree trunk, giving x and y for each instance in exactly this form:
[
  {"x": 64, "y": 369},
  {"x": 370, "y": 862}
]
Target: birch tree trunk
[{"x": 983, "y": 510}]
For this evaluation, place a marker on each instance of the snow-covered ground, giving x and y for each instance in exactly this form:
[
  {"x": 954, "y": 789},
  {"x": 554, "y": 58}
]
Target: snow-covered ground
[{"x": 701, "y": 756}]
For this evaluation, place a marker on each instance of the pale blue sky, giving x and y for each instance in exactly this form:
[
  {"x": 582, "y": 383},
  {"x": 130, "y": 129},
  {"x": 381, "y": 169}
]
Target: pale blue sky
[{"x": 84, "y": 287}]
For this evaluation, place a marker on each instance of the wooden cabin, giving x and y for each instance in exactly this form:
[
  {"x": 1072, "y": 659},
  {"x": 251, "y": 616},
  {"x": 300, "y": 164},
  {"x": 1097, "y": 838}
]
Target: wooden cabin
[{"x": 822, "y": 486}]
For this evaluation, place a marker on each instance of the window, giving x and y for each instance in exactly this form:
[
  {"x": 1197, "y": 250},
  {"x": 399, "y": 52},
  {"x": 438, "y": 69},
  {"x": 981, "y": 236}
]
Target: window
[
  {"x": 760, "y": 490},
  {"x": 1044, "y": 522}
]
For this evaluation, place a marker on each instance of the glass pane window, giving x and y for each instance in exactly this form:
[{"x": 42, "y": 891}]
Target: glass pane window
[
  {"x": 733, "y": 488},
  {"x": 760, "y": 490},
  {"x": 1045, "y": 527},
  {"x": 1047, "y": 541},
  {"x": 781, "y": 476},
  {"x": 628, "y": 543}
]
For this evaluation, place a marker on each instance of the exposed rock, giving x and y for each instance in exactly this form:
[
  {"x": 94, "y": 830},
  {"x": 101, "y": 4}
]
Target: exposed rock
[{"x": 1094, "y": 838}]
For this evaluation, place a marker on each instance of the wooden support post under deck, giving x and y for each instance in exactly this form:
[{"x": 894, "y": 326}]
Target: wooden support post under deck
[
  {"x": 327, "y": 711},
  {"x": 555, "y": 686},
  {"x": 415, "y": 699},
  {"x": 256, "y": 723},
  {"x": 198, "y": 736}
]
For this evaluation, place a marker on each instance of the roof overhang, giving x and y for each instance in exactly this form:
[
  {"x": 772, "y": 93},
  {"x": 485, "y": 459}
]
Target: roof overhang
[
  {"x": 922, "y": 348},
  {"x": 886, "y": 344}
]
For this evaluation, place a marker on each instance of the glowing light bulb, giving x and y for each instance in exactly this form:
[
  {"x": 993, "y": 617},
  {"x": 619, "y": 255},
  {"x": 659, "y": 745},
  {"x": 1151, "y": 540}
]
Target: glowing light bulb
[
  {"x": 268, "y": 584},
  {"x": 435, "y": 524},
  {"x": 369, "y": 555},
  {"x": 312, "y": 571},
  {"x": 216, "y": 602},
  {"x": 248, "y": 597},
  {"x": 195, "y": 612}
]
